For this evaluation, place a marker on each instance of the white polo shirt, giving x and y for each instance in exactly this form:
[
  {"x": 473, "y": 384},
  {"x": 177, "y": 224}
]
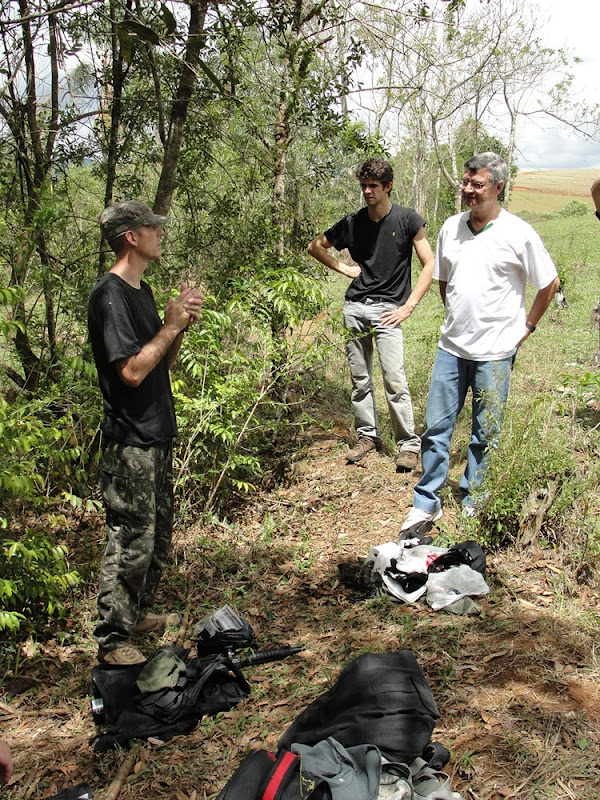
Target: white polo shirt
[{"x": 486, "y": 275}]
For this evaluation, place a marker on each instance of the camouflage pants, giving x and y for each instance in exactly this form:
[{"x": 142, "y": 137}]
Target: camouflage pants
[{"x": 137, "y": 490}]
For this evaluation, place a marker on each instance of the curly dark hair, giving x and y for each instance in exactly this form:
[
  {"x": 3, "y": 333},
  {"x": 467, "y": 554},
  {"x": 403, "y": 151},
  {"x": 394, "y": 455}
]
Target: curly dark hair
[{"x": 375, "y": 169}]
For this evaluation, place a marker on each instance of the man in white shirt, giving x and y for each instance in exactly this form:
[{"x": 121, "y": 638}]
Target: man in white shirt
[{"x": 485, "y": 257}]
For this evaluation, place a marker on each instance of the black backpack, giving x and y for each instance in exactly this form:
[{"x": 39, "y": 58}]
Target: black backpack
[
  {"x": 265, "y": 776},
  {"x": 209, "y": 685}
]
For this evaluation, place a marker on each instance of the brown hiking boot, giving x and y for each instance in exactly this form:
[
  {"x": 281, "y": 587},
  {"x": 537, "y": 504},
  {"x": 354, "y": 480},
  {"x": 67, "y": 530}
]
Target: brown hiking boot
[
  {"x": 156, "y": 623},
  {"x": 364, "y": 446},
  {"x": 406, "y": 461},
  {"x": 124, "y": 656}
]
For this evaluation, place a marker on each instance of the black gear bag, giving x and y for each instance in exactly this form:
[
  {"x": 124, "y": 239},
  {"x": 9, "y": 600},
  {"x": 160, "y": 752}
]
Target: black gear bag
[
  {"x": 381, "y": 699},
  {"x": 206, "y": 687}
]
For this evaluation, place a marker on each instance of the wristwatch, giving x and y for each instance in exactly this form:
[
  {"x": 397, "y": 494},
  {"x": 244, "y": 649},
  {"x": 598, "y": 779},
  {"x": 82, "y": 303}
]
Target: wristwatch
[
  {"x": 530, "y": 327},
  {"x": 598, "y": 214}
]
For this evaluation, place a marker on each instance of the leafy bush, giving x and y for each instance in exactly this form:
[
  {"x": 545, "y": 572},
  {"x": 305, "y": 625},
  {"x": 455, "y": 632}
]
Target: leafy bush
[
  {"x": 222, "y": 381},
  {"x": 45, "y": 440},
  {"x": 232, "y": 389},
  {"x": 44, "y": 447},
  {"x": 533, "y": 452},
  {"x": 34, "y": 574},
  {"x": 575, "y": 208}
]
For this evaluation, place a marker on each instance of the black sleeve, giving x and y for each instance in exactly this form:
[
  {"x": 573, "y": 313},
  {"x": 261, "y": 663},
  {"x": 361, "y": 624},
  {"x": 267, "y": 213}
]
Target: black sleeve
[
  {"x": 339, "y": 234},
  {"x": 414, "y": 223}
]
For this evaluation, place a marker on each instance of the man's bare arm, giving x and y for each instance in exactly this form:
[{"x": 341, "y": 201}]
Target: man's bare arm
[
  {"x": 539, "y": 306},
  {"x": 134, "y": 369},
  {"x": 595, "y": 190},
  {"x": 319, "y": 249}
]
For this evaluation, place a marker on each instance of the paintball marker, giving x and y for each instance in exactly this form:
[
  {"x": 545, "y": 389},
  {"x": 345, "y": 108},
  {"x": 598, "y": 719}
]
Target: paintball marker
[
  {"x": 264, "y": 656},
  {"x": 225, "y": 633}
]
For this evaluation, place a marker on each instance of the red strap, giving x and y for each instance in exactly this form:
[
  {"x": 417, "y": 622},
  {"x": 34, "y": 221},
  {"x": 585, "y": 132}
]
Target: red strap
[{"x": 278, "y": 776}]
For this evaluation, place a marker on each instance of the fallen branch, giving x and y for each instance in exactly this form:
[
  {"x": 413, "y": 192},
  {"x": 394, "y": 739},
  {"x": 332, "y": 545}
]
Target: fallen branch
[
  {"x": 113, "y": 790},
  {"x": 533, "y": 513},
  {"x": 595, "y": 320}
]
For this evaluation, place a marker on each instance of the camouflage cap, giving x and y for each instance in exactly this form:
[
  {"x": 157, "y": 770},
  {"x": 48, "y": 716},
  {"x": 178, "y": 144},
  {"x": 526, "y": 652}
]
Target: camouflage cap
[{"x": 126, "y": 215}]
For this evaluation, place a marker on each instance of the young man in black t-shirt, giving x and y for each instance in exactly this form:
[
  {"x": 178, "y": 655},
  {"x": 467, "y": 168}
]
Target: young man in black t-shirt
[
  {"x": 380, "y": 238},
  {"x": 134, "y": 351}
]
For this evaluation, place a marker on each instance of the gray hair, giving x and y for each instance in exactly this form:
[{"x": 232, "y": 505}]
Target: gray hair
[{"x": 494, "y": 163}]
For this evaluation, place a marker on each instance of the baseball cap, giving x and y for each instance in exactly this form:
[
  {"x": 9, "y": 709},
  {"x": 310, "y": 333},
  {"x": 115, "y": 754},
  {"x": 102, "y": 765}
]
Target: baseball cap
[{"x": 126, "y": 215}]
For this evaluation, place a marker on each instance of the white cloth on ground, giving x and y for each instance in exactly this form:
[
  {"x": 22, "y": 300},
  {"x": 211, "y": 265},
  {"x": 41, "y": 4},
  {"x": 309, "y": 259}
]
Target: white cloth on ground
[
  {"x": 444, "y": 588},
  {"x": 459, "y": 581}
]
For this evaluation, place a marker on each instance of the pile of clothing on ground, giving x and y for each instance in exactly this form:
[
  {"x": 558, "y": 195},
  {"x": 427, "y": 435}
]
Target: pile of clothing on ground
[
  {"x": 367, "y": 738},
  {"x": 406, "y": 570}
]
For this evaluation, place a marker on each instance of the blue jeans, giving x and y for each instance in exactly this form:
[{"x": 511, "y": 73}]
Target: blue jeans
[
  {"x": 363, "y": 320},
  {"x": 450, "y": 380}
]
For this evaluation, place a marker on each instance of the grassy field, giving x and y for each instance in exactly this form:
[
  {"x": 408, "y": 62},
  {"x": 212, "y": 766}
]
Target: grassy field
[{"x": 549, "y": 191}]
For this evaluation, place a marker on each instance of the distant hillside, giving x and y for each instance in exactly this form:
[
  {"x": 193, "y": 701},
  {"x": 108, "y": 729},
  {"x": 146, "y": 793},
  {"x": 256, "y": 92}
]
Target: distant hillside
[{"x": 548, "y": 191}]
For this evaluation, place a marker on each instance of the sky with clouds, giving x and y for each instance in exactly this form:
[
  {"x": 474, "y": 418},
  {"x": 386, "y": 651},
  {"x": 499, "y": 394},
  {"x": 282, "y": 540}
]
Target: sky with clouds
[{"x": 575, "y": 26}]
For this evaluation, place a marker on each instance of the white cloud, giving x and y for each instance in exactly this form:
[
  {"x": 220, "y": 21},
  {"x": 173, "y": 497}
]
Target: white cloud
[{"x": 575, "y": 27}]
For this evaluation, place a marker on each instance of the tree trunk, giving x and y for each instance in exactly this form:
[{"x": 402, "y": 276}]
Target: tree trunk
[
  {"x": 511, "y": 150},
  {"x": 282, "y": 137},
  {"x": 168, "y": 176},
  {"x": 112, "y": 155},
  {"x": 35, "y": 159}
]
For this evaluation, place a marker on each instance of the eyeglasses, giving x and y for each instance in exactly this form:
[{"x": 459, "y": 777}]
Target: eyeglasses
[{"x": 477, "y": 185}]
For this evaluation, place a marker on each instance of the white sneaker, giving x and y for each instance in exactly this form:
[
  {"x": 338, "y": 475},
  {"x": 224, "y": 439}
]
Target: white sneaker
[{"x": 417, "y": 516}]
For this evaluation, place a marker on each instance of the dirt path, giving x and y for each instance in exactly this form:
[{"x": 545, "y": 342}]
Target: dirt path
[{"x": 517, "y": 689}]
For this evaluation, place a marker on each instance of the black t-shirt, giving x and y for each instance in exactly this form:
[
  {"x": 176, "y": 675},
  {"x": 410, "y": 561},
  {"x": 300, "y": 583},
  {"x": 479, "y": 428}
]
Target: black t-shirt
[
  {"x": 383, "y": 250},
  {"x": 121, "y": 320}
]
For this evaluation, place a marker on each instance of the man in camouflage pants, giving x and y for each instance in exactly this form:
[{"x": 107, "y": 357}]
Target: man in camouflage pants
[{"x": 134, "y": 352}]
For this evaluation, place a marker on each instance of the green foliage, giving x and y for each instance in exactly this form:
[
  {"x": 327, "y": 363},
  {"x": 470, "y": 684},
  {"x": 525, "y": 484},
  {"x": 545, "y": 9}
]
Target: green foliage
[
  {"x": 278, "y": 295},
  {"x": 221, "y": 385},
  {"x": 9, "y": 326},
  {"x": 534, "y": 451},
  {"x": 44, "y": 441},
  {"x": 575, "y": 208},
  {"x": 22, "y": 437},
  {"x": 44, "y": 446},
  {"x": 586, "y": 384},
  {"x": 34, "y": 576},
  {"x": 235, "y": 372}
]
